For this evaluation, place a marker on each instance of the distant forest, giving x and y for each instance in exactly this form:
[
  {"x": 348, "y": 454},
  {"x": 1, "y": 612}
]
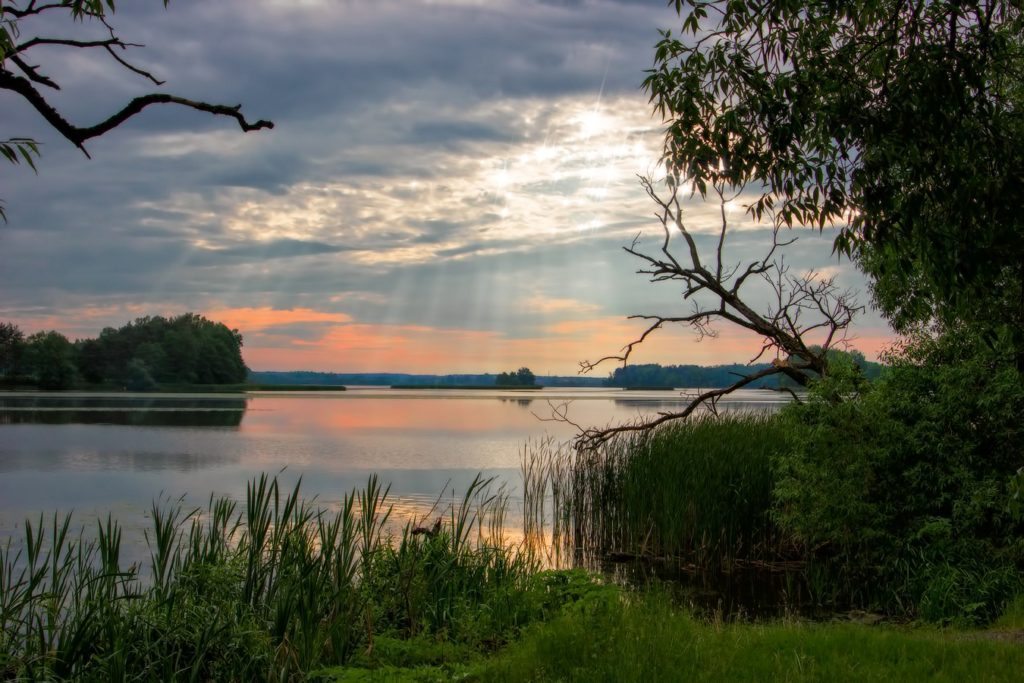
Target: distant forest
[
  {"x": 188, "y": 350},
  {"x": 647, "y": 375},
  {"x": 302, "y": 377},
  {"x": 654, "y": 375},
  {"x": 147, "y": 354}
]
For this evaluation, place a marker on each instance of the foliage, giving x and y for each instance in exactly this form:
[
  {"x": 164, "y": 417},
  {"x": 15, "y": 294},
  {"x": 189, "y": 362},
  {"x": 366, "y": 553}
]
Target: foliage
[
  {"x": 12, "y": 349},
  {"x": 655, "y": 375},
  {"x": 905, "y": 493},
  {"x": 696, "y": 491},
  {"x": 272, "y": 589},
  {"x": 185, "y": 349},
  {"x": 647, "y": 639},
  {"x": 669, "y": 376},
  {"x": 1013, "y": 616},
  {"x": 522, "y": 377},
  {"x": 899, "y": 121},
  {"x": 50, "y": 359},
  {"x": 16, "y": 151}
]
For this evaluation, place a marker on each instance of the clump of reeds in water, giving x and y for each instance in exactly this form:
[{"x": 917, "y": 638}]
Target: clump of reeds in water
[
  {"x": 698, "y": 492},
  {"x": 270, "y": 589}
]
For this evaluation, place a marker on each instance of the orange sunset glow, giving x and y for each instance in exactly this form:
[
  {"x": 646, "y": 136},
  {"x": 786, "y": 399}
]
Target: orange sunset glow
[
  {"x": 425, "y": 227},
  {"x": 343, "y": 345}
]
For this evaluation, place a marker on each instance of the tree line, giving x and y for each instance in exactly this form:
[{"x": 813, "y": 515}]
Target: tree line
[
  {"x": 523, "y": 377},
  {"x": 655, "y": 375},
  {"x": 145, "y": 354}
]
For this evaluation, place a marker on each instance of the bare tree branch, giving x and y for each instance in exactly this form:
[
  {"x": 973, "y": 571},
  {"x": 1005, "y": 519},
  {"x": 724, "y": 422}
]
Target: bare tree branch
[
  {"x": 67, "y": 42},
  {"x": 13, "y": 53},
  {"x": 32, "y": 72},
  {"x": 77, "y": 135},
  {"x": 806, "y": 317},
  {"x": 131, "y": 67},
  {"x": 31, "y": 9},
  {"x": 592, "y": 437},
  {"x": 107, "y": 44}
]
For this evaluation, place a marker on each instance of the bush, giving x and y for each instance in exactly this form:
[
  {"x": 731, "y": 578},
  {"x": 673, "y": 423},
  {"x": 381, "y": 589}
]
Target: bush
[{"x": 903, "y": 491}]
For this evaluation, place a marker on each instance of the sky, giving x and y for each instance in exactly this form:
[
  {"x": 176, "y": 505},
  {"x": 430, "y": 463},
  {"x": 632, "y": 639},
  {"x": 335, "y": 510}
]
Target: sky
[{"x": 448, "y": 187}]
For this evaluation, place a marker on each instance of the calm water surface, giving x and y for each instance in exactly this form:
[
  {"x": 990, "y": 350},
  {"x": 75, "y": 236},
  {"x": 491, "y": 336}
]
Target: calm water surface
[{"x": 100, "y": 453}]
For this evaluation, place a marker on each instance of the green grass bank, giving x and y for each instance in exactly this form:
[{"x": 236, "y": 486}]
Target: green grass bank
[{"x": 273, "y": 589}]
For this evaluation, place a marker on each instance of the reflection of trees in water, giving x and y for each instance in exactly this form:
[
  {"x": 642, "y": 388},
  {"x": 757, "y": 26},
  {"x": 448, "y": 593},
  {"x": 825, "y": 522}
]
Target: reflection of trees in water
[
  {"x": 116, "y": 461},
  {"x": 521, "y": 402},
  {"x": 158, "y": 411},
  {"x": 122, "y": 401}
]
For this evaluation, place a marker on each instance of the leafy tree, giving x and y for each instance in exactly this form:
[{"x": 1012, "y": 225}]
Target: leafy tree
[
  {"x": 525, "y": 377},
  {"x": 655, "y": 375},
  {"x": 139, "y": 377},
  {"x": 27, "y": 25},
  {"x": 522, "y": 377},
  {"x": 905, "y": 494},
  {"x": 12, "y": 348},
  {"x": 186, "y": 349},
  {"x": 50, "y": 360},
  {"x": 901, "y": 122}
]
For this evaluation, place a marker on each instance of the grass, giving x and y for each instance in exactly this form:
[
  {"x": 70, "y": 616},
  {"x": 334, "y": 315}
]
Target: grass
[
  {"x": 615, "y": 636},
  {"x": 273, "y": 589},
  {"x": 1012, "y": 618},
  {"x": 270, "y": 589},
  {"x": 650, "y": 641},
  {"x": 697, "y": 492}
]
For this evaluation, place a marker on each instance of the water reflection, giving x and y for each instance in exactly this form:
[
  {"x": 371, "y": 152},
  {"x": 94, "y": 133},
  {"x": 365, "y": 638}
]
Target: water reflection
[
  {"x": 112, "y": 409},
  {"x": 100, "y": 452},
  {"x": 21, "y": 401},
  {"x": 97, "y": 460},
  {"x": 521, "y": 402},
  {"x": 145, "y": 418}
]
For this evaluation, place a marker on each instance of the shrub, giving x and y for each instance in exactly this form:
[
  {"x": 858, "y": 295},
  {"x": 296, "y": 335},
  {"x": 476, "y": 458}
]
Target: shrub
[{"x": 903, "y": 490}]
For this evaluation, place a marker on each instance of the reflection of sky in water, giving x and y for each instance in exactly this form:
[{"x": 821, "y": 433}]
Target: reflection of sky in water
[{"x": 422, "y": 442}]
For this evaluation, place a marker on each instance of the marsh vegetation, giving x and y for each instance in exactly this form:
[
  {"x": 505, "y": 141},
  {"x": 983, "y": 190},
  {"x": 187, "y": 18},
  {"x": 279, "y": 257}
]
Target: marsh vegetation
[{"x": 271, "y": 589}]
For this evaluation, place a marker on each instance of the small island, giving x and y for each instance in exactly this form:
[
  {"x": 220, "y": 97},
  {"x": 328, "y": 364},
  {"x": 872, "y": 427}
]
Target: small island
[{"x": 523, "y": 378}]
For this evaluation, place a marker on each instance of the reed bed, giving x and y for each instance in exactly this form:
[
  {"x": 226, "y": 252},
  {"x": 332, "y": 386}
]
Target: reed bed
[
  {"x": 697, "y": 492},
  {"x": 272, "y": 588}
]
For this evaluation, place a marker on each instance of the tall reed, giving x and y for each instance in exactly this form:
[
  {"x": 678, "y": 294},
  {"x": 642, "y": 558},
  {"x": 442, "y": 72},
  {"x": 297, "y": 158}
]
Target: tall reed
[
  {"x": 698, "y": 492},
  {"x": 271, "y": 589}
]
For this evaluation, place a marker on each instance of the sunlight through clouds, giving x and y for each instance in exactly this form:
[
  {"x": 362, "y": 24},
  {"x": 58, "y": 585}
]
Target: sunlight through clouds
[
  {"x": 444, "y": 177},
  {"x": 568, "y": 168}
]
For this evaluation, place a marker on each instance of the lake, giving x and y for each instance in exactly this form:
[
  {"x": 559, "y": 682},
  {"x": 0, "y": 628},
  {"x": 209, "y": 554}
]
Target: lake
[{"x": 97, "y": 453}]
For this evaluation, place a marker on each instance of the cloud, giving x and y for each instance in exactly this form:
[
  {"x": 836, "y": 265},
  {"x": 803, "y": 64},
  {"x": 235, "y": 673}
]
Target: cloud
[
  {"x": 265, "y": 318},
  {"x": 444, "y": 178}
]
